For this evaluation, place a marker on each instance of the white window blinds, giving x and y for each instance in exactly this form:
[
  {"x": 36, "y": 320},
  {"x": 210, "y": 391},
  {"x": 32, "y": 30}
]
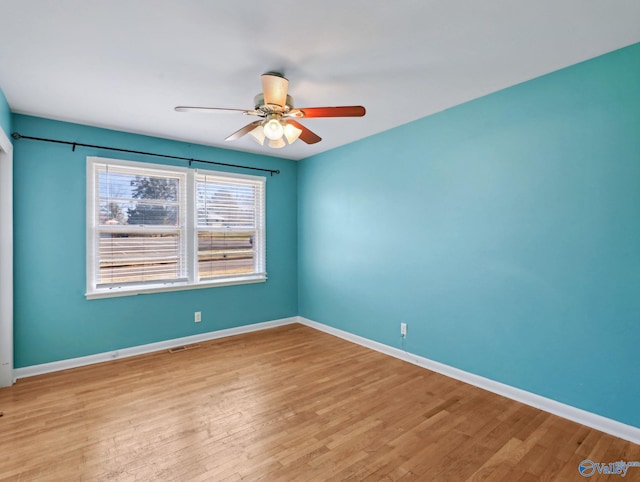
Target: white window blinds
[
  {"x": 152, "y": 226},
  {"x": 230, "y": 226},
  {"x": 141, "y": 224}
]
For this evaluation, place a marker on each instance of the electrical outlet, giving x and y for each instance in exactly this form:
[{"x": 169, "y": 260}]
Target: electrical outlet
[
  {"x": 197, "y": 317},
  {"x": 403, "y": 330}
]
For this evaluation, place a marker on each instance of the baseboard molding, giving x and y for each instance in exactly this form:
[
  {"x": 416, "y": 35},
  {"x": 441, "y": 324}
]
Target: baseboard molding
[
  {"x": 33, "y": 370},
  {"x": 598, "y": 422}
]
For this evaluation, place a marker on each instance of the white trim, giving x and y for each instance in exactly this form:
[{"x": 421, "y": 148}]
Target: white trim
[
  {"x": 6, "y": 261},
  {"x": 230, "y": 175},
  {"x": 117, "y": 292},
  {"x": 5, "y": 142},
  {"x": 33, "y": 370},
  {"x": 598, "y": 422}
]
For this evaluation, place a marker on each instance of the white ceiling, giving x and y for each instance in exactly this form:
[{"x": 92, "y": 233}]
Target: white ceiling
[{"x": 125, "y": 64}]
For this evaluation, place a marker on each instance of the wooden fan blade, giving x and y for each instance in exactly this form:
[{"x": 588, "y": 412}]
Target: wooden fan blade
[
  {"x": 274, "y": 88},
  {"x": 342, "y": 111},
  {"x": 185, "y": 108},
  {"x": 307, "y": 136},
  {"x": 245, "y": 130}
]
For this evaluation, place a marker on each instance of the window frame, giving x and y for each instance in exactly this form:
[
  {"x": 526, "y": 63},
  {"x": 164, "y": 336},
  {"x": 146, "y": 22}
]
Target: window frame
[{"x": 190, "y": 229}]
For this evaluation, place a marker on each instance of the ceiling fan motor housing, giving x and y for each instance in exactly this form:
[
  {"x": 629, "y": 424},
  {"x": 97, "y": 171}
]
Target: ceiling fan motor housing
[{"x": 258, "y": 101}]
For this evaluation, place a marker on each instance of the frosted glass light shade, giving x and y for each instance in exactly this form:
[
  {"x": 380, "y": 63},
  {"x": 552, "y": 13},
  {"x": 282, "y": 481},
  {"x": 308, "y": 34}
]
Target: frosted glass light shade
[
  {"x": 258, "y": 135},
  {"x": 273, "y": 129},
  {"x": 292, "y": 133},
  {"x": 278, "y": 143}
]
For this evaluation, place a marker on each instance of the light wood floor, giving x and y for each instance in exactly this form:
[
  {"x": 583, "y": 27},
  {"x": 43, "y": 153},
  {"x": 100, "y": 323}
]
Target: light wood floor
[{"x": 289, "y": 403}]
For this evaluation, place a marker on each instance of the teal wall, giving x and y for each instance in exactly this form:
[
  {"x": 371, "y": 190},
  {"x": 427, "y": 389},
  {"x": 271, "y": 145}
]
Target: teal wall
[
  {"x": 505, "y": 232},
  {"x": 54, "y": 321},
  {"x": 5, "y": 115}
]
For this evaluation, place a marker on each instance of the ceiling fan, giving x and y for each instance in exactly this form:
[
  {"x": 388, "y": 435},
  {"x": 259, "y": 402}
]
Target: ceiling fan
[{"x": 278, "y": 124}]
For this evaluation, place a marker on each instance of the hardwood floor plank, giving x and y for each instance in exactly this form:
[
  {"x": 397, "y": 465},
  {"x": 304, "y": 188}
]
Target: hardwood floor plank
[{"x": 289, "y": 403}]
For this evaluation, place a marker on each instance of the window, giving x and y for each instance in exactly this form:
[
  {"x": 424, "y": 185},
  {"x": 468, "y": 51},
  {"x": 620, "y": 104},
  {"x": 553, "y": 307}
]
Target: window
[{"x": 159, "y": 228}]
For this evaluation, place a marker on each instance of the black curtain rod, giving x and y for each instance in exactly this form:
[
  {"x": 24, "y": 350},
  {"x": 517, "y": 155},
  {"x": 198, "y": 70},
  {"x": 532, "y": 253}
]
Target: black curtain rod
[{"x": 17, "y": 136}]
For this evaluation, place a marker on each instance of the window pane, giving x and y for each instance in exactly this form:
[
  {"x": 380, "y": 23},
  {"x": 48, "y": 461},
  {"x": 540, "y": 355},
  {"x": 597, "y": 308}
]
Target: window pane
[
  {"x": 225, "y": 205},
  {"x": 126, "y": 258},
  {"x": 221, "y": 254},
  {"x": 128, "y": 198},
  {"x": 148, "y": 212},
  {"x": 114, "y": 212}
]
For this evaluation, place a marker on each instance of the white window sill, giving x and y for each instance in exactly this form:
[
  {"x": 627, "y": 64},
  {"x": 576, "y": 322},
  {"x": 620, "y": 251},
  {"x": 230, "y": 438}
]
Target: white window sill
[{"x": 117, "y": 292}]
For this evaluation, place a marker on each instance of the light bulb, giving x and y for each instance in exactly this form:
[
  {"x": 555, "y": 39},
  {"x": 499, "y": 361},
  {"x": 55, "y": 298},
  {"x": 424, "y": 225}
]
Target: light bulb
[{"x": 273, "y": 129}]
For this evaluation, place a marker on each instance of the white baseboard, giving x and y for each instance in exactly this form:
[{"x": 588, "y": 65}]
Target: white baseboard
[
  {"x": 142, "y": 349},
  {"x": 598, "y": 422}
]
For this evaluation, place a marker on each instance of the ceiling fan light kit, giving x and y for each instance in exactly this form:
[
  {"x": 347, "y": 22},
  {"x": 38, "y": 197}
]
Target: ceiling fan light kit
[
  {"x": 276, "y": 131},
  {"x": 275, "y": 107}
]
